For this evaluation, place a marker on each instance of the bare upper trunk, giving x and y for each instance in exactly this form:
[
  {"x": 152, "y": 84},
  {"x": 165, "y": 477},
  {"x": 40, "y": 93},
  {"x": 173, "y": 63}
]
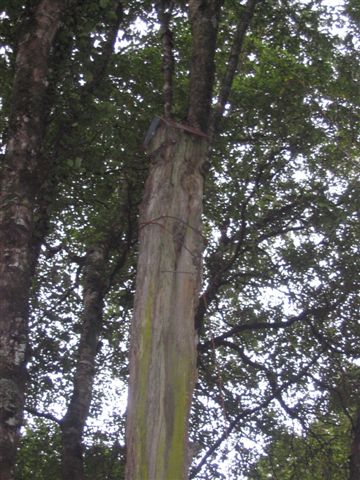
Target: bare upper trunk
[
  {"x": 72, "y": 426},
  {"x": 204, "y": 18},
  {"x": 18, "y": 188},
  {"x": 163, "y": 352}
]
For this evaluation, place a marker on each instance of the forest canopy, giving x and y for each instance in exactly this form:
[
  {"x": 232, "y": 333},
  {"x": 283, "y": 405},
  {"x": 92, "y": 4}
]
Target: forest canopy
[{"x": 199, "y": 160}]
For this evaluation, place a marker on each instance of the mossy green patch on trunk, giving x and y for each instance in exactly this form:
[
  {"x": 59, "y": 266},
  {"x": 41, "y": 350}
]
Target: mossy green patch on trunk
[
  {"x": 177, "y": 451},
  {"x": 145, "y": 356},
  {"x": 163, "y": 358}
]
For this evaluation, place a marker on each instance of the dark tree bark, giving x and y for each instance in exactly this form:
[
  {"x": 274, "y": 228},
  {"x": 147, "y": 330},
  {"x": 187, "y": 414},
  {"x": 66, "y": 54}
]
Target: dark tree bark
[
  {"x": 233, "y": 63},
  {"x": 164, "y": 9},
  {"x": 354, "y": 464},
  {"x": 204, "y": 18},
  {"x": 95, "y": 283},
  {"x": 19, "y": 183}
]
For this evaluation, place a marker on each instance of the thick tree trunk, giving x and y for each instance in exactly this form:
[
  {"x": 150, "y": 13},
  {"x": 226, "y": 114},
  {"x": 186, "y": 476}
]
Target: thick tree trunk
[
  {"x": 354, "y": 473},
  {"x": 18, "y": 189},
  {"x": 163, "y": 350},
  {"x": 72, "y": 426},
  {"x": 163, "y": 345}
]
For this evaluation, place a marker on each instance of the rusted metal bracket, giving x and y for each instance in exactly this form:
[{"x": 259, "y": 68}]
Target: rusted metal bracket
[
  {"x": 186, "y": 128},
  {"x": 170, "y": 123}
]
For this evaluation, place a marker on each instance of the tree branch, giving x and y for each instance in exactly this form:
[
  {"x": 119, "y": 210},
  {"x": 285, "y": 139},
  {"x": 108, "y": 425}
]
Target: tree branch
[
  {"x": 247, "y": 412},
  {"x": 204, "y": 18},
  {"x": 270, "y": 375},
  {"x": 102, "y": 63},
  {"x": 47, "y": 416},
  {"x": 254, "y": 326},
  {"x": 233, "y": 64},
  {"x": 164, "y": 10}
]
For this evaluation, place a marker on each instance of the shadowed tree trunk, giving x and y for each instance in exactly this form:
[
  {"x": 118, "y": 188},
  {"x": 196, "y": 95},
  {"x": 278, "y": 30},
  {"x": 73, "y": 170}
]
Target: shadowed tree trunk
[
  {"x": 355, "y": 450},
  {"x": 27, "y": 176},
  {"x": 26, "y": 195},
  {"x": 19, "y": 183},
  {"x": 72, "y": 426},
  {"x": 98, "y": 276}
]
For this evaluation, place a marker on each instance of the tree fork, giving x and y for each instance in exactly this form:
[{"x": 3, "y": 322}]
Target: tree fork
[{"x": 163, "y": 339}]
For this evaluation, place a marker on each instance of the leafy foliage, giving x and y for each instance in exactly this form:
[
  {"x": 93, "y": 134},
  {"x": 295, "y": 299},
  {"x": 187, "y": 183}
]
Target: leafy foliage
[{"x": 279, "y": 312}]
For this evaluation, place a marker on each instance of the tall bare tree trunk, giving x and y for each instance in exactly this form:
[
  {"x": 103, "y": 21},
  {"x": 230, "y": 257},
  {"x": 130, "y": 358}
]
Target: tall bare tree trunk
[
  {"x": 19, "y": 182},
  {"x": 72, "y": 425},
  {"x": 163, "y": 345},
  {"x": 163, "y": 353}
]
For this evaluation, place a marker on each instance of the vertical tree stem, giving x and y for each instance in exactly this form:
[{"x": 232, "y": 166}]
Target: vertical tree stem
[
  {"x": 19, "y": 181},
  {"x": 163, "y": 346}
]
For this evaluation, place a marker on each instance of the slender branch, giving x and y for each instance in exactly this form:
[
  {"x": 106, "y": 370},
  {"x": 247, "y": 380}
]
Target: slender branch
[
  {"x": 304, "y": 316},
  {"x": 220, "y": 278},
  {"x": 225, "y": 435},
  {"x": 329, "y": 344},
  {"x": 103, "y": 61},
  {"x": 247, "y": 412},
  {"x": 270, "y": 375},
  {"x": 129, "y": 242},
  {"x": 233, "y": 63},
  {"x": 47, "y": 416},
  {"x": 164, "y": 9},
  {"x": 238, "y": 239},
  {"x": 334, "y": 391},
  {"x": 273, "y": 382},
  {"x": 255, "y": 326}
]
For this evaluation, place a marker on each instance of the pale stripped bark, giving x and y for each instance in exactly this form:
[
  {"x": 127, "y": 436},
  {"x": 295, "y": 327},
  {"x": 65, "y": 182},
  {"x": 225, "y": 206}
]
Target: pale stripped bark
[
  {"x": 163, "y": 353},
  {"x": 163, "y": 345},
  {"x": 163, "y": 348}
]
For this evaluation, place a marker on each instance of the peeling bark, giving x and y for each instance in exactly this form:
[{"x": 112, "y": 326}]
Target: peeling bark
[
  {"x": 163, "y": 339},
  {"x": 19, "y": 182},
  {"x": 72, "y": 425},
  {"x": 163, "y": 349}
]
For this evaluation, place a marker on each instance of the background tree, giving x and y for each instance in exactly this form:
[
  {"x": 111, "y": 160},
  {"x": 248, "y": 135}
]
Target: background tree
[{"x": 20, "y": 180}]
